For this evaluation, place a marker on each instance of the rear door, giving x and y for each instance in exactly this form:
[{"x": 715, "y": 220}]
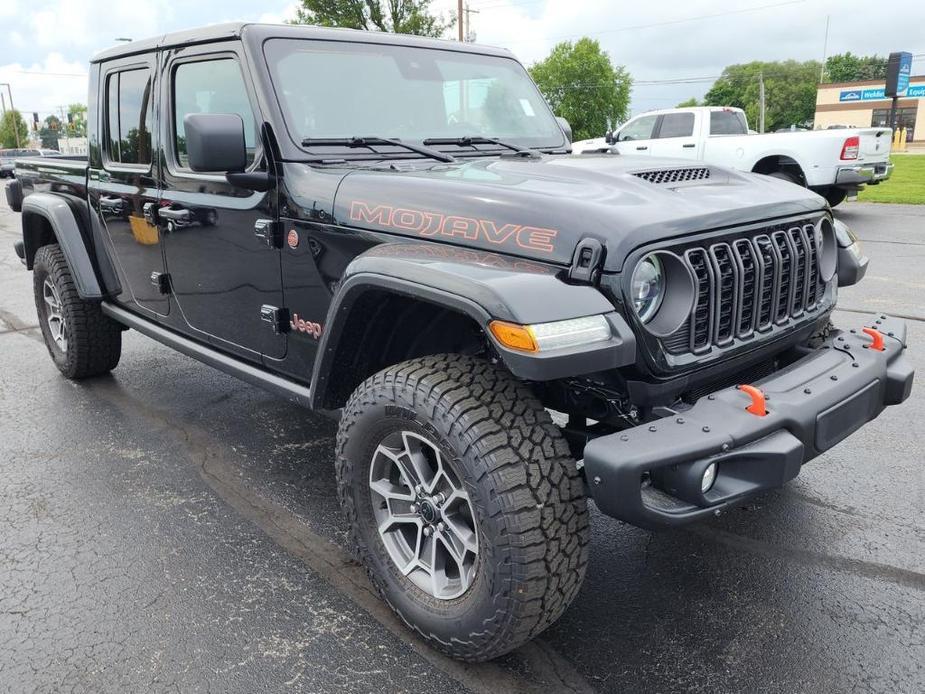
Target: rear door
[
  {"x": 675, "y": 137},
  {"x": 221, "y": 273},
  {"x": 636, "y": 136},
  {"x": 124, "y": 186}
]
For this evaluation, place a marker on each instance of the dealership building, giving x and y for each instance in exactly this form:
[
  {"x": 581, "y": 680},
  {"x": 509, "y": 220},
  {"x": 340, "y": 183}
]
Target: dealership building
[{"x": 862, "y": 104}]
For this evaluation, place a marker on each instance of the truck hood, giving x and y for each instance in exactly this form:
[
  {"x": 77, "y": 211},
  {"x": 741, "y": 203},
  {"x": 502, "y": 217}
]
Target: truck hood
[{"x": 541, "y": 208}]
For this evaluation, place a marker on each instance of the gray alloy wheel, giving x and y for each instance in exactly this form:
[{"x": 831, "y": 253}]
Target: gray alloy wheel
[
  {"x": 54, "y": 314},
  {"x": 424, "y": 515}
]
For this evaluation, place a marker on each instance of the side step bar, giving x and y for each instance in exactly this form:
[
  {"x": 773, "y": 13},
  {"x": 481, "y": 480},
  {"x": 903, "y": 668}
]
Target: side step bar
[{"x": 207, "y": 355}]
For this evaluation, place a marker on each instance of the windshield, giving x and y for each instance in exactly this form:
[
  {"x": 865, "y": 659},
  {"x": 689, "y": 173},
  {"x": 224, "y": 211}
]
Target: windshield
[{"x": 330, "y": 89}]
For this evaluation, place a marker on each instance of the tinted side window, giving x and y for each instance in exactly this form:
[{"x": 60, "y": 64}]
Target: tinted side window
[
  {"x": 128, "y": 116},
  {"x": 212, "y": 86},
  {"x": 728, "y": 123},
  {"x": 639, "y": 129},
  {"x": 677, "y": 125}
]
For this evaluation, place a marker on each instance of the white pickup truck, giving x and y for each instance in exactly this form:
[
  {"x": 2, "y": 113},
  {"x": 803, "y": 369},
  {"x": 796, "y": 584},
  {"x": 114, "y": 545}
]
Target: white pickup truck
[{"x": 833, "y": 163}]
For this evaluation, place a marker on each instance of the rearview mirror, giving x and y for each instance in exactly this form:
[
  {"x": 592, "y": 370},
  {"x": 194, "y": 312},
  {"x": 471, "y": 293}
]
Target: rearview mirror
[
  {"x": 566, "y": 128},
  {"x": 611, "y": 137},
  {"x": 215, "y": 142}
]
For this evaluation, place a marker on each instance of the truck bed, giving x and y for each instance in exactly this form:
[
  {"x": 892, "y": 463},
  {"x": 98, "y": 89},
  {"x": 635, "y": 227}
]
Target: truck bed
[{"x": 63, "y": 176}]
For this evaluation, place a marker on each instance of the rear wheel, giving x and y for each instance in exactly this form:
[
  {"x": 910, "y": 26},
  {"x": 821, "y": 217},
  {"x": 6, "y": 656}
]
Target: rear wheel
[
  {"x": 784, "y": 176},
  {"x": 835, "y": 196},
  {"x": 81, "y": 340},
  {"x": 463, "y": 502}
]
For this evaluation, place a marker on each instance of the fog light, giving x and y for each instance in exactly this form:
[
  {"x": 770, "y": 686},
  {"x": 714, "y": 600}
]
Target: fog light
[{"x": 709, "y": 477}]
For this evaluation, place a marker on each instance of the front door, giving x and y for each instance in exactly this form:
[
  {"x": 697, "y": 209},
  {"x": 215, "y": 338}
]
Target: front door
[
  {"x": 125, "y": 186},
  {"x": 636, "y": 136},
  {"x": 221, "y": 273}
]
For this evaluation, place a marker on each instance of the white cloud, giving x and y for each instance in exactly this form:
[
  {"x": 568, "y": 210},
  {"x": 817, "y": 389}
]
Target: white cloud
[
  {"x": 746, "y": 30},
  {"x": 45, "y": 87},
  {"x": 288, "y": 13},
  {"x": 9, "y": 8},
  {"x": 68, "y": 26}
]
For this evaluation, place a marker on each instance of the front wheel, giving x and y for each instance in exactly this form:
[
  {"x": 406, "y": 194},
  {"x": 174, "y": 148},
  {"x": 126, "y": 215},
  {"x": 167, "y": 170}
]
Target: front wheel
[{"x": 463, "y": 502}]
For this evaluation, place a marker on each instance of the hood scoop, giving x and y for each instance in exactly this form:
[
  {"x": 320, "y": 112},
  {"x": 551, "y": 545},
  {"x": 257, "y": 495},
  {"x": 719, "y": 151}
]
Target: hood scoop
[{"x": 667, "y": 176}]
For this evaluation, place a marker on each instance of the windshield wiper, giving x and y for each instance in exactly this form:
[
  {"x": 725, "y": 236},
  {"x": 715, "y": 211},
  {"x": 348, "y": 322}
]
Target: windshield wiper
[
  {"x": 371, "y": 141},
  {"x": 470, "y": 140}
]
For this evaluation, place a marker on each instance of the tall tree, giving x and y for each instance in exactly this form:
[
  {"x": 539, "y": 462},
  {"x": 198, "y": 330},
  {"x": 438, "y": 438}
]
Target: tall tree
[
  {"x": 9, "y": 124},
  {"x": 398, "y": 16},
  {"x": 48, "y": 133},
  {"x": 583, "y": 86},
  {"x": 790, "y": 91},
  {"x": 847, "y": 67}
]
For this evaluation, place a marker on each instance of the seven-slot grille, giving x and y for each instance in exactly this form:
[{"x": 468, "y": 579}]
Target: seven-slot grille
[{"x": 749, "y": 284}]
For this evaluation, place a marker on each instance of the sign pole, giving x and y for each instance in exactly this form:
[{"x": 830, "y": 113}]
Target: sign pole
[{"x": 898, "y": 72}]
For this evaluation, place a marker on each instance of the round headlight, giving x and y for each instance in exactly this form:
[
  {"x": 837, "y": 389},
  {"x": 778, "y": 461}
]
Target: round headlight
[{"x": 648, "y": 287}]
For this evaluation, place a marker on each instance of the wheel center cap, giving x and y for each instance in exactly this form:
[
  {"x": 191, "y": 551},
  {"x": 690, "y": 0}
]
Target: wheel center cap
[{"x": 428, "y": 512}]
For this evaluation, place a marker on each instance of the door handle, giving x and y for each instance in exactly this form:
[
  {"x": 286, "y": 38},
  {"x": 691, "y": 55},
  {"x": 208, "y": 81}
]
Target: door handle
[
  {"x": 149, "y": 209},
  {"x": 688, "y": 146},
  {"x": 641, "y": 148},
  {"x": 175, "y": 215}
]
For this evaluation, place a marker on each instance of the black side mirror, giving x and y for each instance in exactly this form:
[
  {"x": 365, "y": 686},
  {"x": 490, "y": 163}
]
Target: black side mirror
[
  {"x": 609, "y": 137},
  {"x": 215, "y": 142},
  {"x": 566, "y": 128}
]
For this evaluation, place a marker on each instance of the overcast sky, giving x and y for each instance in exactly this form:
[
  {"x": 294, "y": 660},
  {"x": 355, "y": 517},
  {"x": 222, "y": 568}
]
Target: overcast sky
[{"x": 45, "y": 44}]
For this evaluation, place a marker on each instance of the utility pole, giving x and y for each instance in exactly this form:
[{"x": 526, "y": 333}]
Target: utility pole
[
  {"x": 761, "y": 102},
  {"x": 470, "y": 35},
  {"x": 460, "y": 20},
  {"x": 825, "y": 49}
]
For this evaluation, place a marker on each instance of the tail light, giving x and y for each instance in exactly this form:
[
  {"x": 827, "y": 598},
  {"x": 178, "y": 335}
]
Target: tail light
[{"x": 850, "y": 149}]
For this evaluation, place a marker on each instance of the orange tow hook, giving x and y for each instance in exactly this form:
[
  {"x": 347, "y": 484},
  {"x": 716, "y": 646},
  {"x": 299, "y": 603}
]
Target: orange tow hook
[
  {"x": 877, "y": 337},
  {"x": 757, "y": 407}
]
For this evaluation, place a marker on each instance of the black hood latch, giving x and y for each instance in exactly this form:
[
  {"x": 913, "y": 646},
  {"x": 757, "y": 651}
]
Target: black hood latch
[{"x": 587, "y": 262}]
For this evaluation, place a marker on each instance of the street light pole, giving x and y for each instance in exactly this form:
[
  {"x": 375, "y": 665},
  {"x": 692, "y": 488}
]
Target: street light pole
[
  {"x": 459, "y": 19},
  {"x": 13, "y": 111}
]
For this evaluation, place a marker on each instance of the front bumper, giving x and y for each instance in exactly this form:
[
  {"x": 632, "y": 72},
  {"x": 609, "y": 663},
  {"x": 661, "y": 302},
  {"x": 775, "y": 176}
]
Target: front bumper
[
  {"x": 862, "y": 174},
  {"x": 649, "y": 475}
]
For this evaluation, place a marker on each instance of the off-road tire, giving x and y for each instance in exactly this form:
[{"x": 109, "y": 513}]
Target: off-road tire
[
  {"x": 525, "y": 489},
  {"x": 94, "y": 341}
]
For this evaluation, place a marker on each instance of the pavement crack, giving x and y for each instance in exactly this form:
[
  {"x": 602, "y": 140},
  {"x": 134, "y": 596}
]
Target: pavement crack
[
  {"x": 856, "y": 567},
  {"x": 335, "y": 565}
]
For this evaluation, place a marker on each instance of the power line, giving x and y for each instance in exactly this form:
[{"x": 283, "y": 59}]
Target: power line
[{"x": 665, "y": 23}]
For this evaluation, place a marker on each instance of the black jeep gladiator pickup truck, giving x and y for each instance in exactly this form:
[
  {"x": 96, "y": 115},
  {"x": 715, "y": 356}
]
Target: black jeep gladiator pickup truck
[{"x": 393, "y": 230}]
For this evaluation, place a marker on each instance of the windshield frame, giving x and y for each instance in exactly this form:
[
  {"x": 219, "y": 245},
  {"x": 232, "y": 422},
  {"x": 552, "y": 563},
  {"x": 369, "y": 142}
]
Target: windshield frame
[{"x": 341, "y": 152}]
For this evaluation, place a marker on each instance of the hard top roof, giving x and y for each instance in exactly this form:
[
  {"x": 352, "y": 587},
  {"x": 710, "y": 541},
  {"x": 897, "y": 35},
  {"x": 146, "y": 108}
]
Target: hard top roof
[{"x": 260, "y": 32}]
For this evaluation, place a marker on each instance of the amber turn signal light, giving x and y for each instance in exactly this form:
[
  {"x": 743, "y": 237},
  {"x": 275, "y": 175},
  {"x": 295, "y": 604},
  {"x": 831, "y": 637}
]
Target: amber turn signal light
[{"x": 513, "y": 336}]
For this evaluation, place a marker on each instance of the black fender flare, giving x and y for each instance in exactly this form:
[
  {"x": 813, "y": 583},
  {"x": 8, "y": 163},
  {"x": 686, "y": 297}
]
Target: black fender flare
[
  {"x": 58, "y": 214},
  {"x": 483, "y": 286}
]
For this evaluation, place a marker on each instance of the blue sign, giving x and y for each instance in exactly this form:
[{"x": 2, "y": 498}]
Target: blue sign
[
  {"x": 915, "y": 91},
  {"x": 905, "y": 72}
]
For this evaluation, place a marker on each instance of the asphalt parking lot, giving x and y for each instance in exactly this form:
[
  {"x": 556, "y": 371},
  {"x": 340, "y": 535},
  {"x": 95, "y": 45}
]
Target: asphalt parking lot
[{"x": 169, "y": 528}]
